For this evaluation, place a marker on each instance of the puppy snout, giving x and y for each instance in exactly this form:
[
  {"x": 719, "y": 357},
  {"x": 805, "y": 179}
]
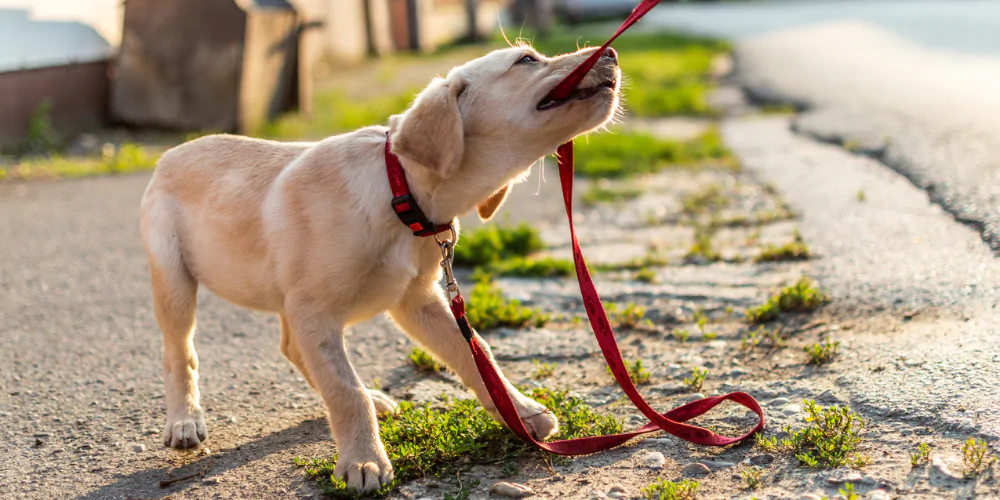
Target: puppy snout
[{"x": 610, "y": 53}]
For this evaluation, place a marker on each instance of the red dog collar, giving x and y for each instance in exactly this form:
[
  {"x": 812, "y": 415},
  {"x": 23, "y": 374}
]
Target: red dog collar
[{"x": 403, "y": 203}]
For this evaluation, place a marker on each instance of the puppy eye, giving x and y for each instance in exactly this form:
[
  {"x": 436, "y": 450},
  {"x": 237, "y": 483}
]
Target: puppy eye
[{"x": 528, "y": 58}]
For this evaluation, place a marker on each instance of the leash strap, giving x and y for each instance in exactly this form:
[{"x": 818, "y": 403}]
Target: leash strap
[{"x": 671, "y": 422}]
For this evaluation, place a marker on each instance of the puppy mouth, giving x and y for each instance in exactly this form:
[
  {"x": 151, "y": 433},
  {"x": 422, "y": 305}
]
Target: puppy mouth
[{"x": 578, "y": 95}]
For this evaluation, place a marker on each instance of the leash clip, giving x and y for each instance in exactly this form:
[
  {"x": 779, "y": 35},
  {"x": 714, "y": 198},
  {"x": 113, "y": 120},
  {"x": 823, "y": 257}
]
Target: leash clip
[{"x": 447, "y": 259}]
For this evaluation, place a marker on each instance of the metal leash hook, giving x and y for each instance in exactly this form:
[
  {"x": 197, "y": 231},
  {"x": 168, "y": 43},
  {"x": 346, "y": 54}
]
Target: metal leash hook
[{"x": 447, "y": 259}]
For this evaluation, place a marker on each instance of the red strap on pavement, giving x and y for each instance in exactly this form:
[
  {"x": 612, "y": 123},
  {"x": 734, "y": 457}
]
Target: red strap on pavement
[{"x": 673, "y": 421}]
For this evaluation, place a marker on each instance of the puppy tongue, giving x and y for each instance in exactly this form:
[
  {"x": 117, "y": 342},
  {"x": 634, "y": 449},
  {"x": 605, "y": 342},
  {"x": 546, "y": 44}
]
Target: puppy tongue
[{"x": 566, "y": 87}]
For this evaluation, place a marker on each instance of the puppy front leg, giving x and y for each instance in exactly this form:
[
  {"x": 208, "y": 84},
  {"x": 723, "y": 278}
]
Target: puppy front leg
[
  {"x": 362, "y": 462},
  {"x": 425, "y": 316}
]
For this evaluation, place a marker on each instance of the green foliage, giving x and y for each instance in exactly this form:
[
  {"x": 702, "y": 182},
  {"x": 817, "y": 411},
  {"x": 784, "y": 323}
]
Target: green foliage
[
  {"x": 671, "y": 490},
  {"x": 604, "y": 192},
  {"x": 487, "y": 308},
  {"x": 645, "y": 275},
  {"x": 752, "y": 477},
  {"x": 830, "y": 439},
  {"x": 625, "y": 154},
  {"x": 422, "y": 441},
  {"x": 335, "y": 112},
  {"x": 651, "y": 259},
  {"x": 707, "y": 199},
  {"x": 848, "y": 493},
  {"x": 697, "y": 379},
  {"x": 801, "y": 297},
  {"x": 492, "y": 243},
  {"x": 682, "y": 335},
  {"x": 542, "y": 370},
  {"x": 639, "y": 374},
  {"x": 630, "y": 316},
  {"x": 771, "y": 338},
  {"x": 921, "y": 456},
  {"x": 544, "y": 267},
  {"x": 701, "y": 249},
  {"x": 41, "y": 137},
  {"x": 424, "y": 361},
  {"x": 860, "y": 195},
  {"x": 125, "y": 159},
  {"x": 793, "y": 250},
  {"x": 976, "y": 457},
  {"x": 822, "y": 353}
]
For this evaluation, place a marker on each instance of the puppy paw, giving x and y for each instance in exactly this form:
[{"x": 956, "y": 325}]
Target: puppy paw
[
  {"x": 185, "y": 432},
  {"x": 538, "y": 420},
  {"x": 364, "y": 472},
  {"x": 384, "y": 405}
]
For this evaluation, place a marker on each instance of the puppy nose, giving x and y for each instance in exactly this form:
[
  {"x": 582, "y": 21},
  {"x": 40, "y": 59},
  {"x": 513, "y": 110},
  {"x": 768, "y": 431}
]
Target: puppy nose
[{"x": 611, "y": 54}]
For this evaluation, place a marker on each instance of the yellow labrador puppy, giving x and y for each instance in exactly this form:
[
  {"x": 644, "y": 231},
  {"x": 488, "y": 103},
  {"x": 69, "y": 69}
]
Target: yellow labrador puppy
[{"x": 305, "y": 230}]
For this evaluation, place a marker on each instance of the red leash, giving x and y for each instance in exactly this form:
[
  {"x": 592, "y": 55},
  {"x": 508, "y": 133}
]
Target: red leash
[{"x": 671, "y": 422}]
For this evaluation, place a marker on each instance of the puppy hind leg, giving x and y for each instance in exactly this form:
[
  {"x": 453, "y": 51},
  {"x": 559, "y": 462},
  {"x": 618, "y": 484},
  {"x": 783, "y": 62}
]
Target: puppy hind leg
[{"x": 175, "y": 302}]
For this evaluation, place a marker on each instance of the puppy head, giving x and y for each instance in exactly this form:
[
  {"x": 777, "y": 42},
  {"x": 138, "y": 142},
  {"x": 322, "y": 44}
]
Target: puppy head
[{"x": 489, "y": 120}]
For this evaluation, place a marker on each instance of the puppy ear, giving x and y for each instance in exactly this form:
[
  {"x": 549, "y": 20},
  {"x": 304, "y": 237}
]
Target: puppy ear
[
  {"x": 430, "y": 132},
  {"x": 490, "y": 205}
]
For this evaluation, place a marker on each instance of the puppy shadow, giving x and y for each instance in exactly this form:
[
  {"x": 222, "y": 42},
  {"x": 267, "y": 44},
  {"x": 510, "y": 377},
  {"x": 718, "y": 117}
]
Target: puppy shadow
[{"x": 146, "y": 483}]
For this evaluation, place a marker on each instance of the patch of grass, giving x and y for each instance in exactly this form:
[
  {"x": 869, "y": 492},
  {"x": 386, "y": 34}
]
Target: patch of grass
[
  {"x": 651, "y": 259},
  {"x": 645, "y": 276},
  {"x": 860, "y": 196},
  {"x": 822, "y": 353},
  {"x": 487, "y": 308},
  {"x": 701, "y": 250},
  {"x": 638, "y": 373},
  {"x": 707, "y": 199},
  {"x": 335, "y": 112},
  {"x": 831, "y": 438},
  {"x": 772, "y": 338},
  {"x": 41, "y": 137},
  {"x": 803, "y": 296},
  {"x": 542, "y": 370},
  {"x": 921, "y": 456},
  {"x": 752, "y": 477},
  {"x": 791, "y": 251},
  {"x": 662, "y": 489},
  {"x": 493, "y": 243},
  {"x": 630, "y": 316},
  {"x": 681, "y": 335},
  {"x": 422, "y": 440},
  {"x": 605, "y": 192},
  {"x": 423, "y": 361},
  {"x": 697, "y": 379},
  {"x": 124, "y": 159},
  {"x": 545, "y": 267},
  {"x": 976, "y": 457},
  {"x": 848, "y": 493},
  {"x": 629, "y": 153}
]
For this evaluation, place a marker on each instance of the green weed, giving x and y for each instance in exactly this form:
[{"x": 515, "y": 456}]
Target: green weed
[
  {"x": 639, "y": 374},
  {"x": 487, "y": 308},
  {"x": 335, "y": 112},
  {"x": 125, "y": 159},
  {"x": 544, "y": 267},
  {"x": 542, "y": 370},
  {"x": 848, "y": 493},
  {"x": 626, "y": 154},
  {"x": 645, "y": 275},
  {"x": 424, "y": 361},
  {"x": 670, "y": 490},
  {"x": 831, "y": 438},
  {"x": 682, "y": 335},
  {"x": 630, "y": 316},
  {"x": 754, "y": 338},
  {"x": 424, "y": 441},
  {"x": 752, "y": 477},
  {"x": 651, "y": 259},
  {"x": 707, "y": 199},
  {"x": 791, "y": 251},
  {"x": 604, "y": 192},
  {"x": 697, "y": 379},
  {"x": 492, "y": 243},
  {"x": 922, "y": 455},
  {"x": 701, "y": 250},
  {"x": 860, "y": 195},
  {"x": 801, "y": 297},
  {"x": 976, "y": 457},
  {"x": 822, "y": 353}
]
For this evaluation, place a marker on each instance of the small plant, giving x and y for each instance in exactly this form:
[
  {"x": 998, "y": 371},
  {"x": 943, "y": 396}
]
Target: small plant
[
  {"x": 803, "y": 296},
  {"x": 848, "y": 493},
  {"x": 822, "y": 353},
  {"x": 493, "y": 243},
  {"x": 920, "y": 456},
  {"x": 830, "y": 439},
  {"x": 41, "y": 137},
  {"x": 487, "y": 308},
  {"x": 630, "y": 316},
  {"x": 639, "y": 374},
  {"x": 646, "y": 275},
  {"x": 860, "y": 195},
  {"x": 701, "y": 249},
  {"x": 651, "y": 259},
  {"x": 708, "y": 199},
  {"x": 754, "y": 338},
  {"x": 975, "y": 456},
  {"x": 671, "y": 490},
  {"x": 542, "y": 370},
  {"x": 545, "y": 267},
  {"x": 752, "y": 477},
  {"x": 682, "y": 335},
  {"x": 708, "y": 336},
  {"x": 791, "y": 251},
  {"x": 424, "y": 361},
  {"x": 697, "y": 379},
  {"x": 700, "y": 318}
]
